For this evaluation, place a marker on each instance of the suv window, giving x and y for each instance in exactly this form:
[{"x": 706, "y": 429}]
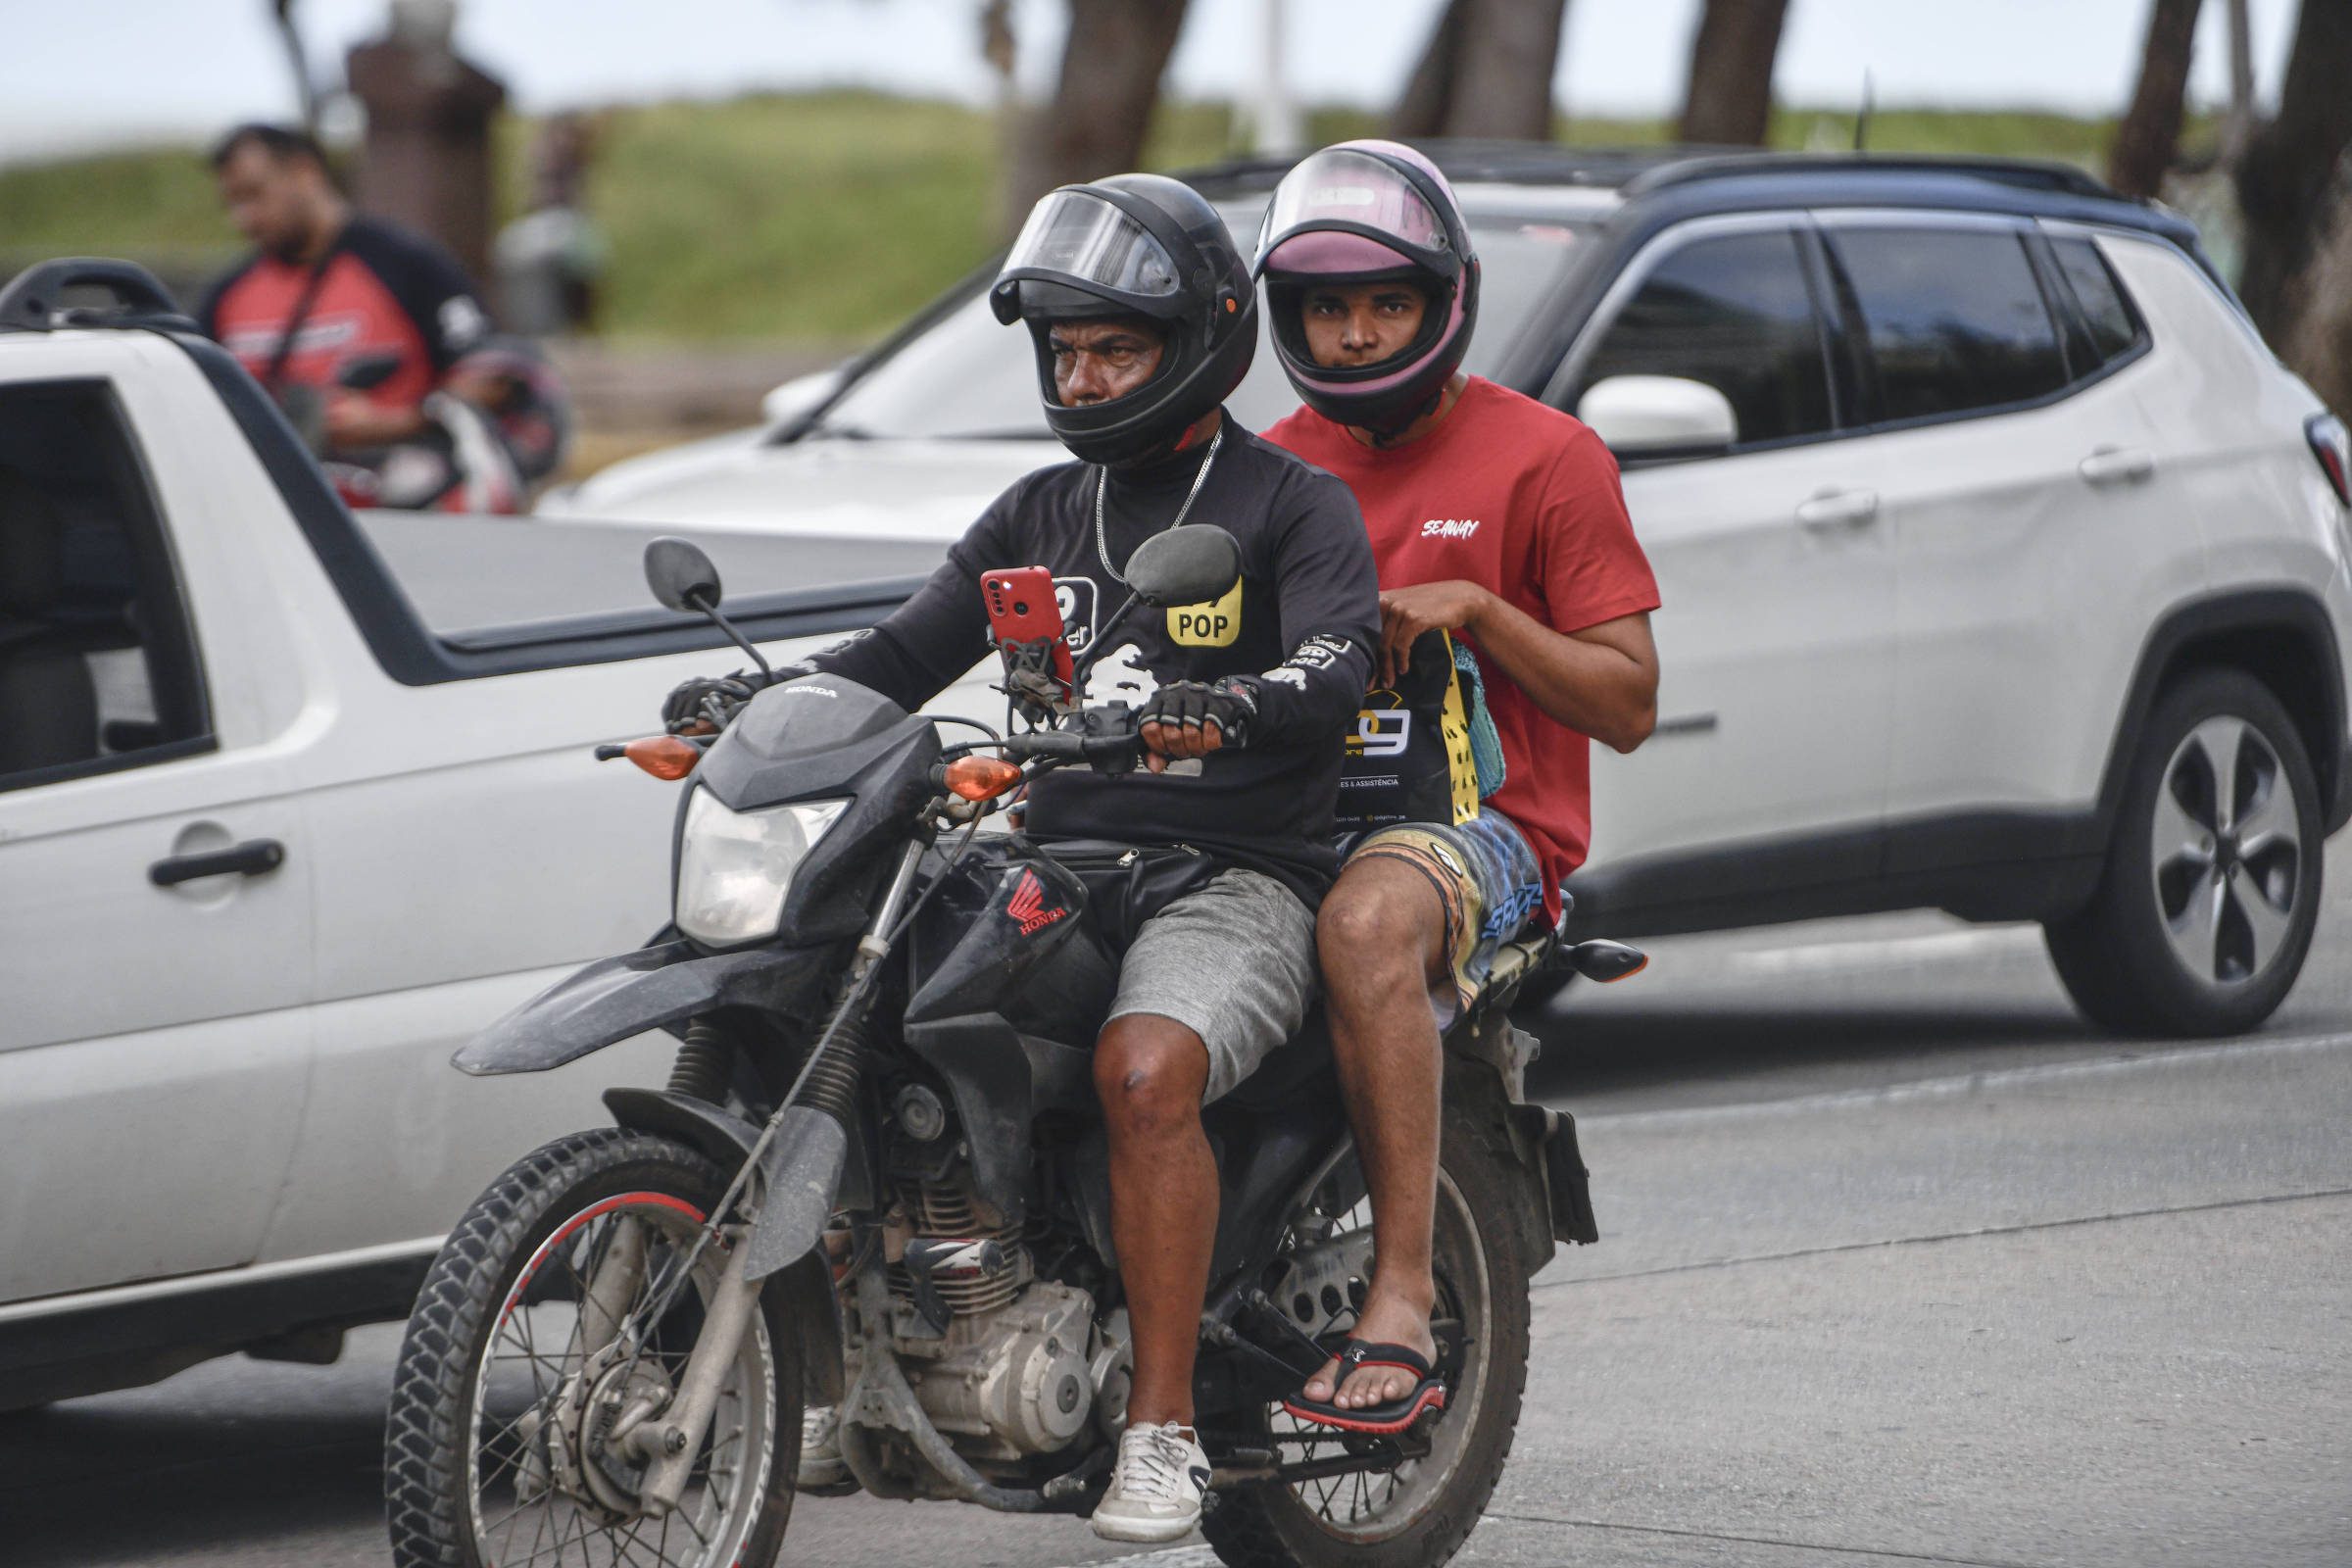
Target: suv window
[
  {"x": 1955, "y": 319},
  {"x": 2114, "y": 331},
  {"x": 967, "y": 377},
  {"x": 95, "y": 661},
  {"x": 1734, "y": 311}
]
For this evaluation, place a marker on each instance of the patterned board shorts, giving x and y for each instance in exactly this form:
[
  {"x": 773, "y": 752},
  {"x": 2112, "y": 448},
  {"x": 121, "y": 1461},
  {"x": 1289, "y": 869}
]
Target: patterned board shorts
[{"x": 1487, "y": 877}]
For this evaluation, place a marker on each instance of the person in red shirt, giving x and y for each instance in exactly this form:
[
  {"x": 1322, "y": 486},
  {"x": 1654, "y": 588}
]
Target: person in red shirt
[
  {"x": 1499, "y": 522},
  {"x": 326, "y": 288}
]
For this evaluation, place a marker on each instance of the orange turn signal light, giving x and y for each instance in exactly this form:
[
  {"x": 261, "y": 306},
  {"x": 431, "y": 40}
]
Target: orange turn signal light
[
  {"x": 982, "y": 778},
  {"x": 664, "y": 756}
]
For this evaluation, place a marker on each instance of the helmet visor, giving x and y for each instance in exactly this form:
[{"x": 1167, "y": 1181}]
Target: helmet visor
[
  {"x": 1353, "y": 191},
  {"x": 1075, "y": 236}
]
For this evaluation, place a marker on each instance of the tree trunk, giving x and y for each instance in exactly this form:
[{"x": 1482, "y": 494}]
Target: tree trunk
[
  {"x": 2319, "y": 346},
  {"x": 1429, "y": 92},
  {"x": 289, "y": 33},
  {"x": 1487, "y": 73},
  {"x": 1729, "y": 101},
  {"x": 2150, "y": 131},
  {"x": 2288, "y": 183},
  {"x": 1101, "y": 108}
]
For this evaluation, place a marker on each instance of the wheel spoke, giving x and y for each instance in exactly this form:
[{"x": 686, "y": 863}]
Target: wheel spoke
[
  {"x": 2218, "y": 740},
  {"x": 2266, "y": 920},
  {"x": 2177, "y": 835},
  {"x": 2267, "y": 818},
  {"x": 2195, "y": 929}
]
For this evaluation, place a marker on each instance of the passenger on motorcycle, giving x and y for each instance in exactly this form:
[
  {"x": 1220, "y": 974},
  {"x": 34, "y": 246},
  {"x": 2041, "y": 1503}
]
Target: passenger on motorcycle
[
  {"x": 1498, "y": 521},
  {"x": 1144, "y": 318}
]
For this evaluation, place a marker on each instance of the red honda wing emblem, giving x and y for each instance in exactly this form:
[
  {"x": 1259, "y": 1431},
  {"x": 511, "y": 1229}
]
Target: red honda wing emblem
[{"x": 1027, "y": 905}]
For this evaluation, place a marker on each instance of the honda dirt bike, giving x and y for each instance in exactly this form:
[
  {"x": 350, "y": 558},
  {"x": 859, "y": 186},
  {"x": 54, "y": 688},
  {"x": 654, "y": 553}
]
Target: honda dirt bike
[{"x": 878, "y": 1179}]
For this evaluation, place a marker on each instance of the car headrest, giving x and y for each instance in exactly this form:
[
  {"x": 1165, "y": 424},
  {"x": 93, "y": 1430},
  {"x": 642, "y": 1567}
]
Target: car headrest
[{"x": 32, "y": 556}]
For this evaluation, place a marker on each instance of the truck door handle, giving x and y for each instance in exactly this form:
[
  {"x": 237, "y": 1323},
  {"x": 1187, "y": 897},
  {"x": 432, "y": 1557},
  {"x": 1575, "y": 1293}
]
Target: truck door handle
[
  {"x": 250, "y": 858},
  {"x": 1833, "y": 510},
  {"x": 2116, "y": 466}
]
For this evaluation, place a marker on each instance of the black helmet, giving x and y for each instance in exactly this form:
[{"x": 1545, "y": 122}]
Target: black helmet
[
  {"x": 1358, "y": 212},
  {"x": 1133, "y": 245}
]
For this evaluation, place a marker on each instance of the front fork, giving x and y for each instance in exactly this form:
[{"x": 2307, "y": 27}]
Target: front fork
[{"x": 669, "y": 1446}]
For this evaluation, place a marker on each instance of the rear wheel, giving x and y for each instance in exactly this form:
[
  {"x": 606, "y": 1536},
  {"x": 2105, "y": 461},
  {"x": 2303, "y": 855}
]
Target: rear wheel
[
  {"x": 1413, "y": 1513},
  {"x": 2206, "y": 906},
  {"x": 501, "y": 1443}
]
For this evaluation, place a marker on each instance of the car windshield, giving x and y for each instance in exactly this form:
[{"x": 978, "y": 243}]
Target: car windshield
[{"x": 967, "y": 377}]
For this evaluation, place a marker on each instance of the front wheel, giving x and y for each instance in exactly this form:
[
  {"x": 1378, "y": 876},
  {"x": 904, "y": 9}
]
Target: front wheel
[
  {"x": 500, "y": 1443},
  {"x": 2206, "y": 906},
  {"x": 1414, "y": 1513}
]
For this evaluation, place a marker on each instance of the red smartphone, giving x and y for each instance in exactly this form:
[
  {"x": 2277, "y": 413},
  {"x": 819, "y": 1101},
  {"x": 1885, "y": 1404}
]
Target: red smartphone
[{"x": 1023, "y": 609}]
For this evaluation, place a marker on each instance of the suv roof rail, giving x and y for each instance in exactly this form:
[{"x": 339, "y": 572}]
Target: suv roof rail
[
  {"x": 2025, "y": 173},
  {"x": 1476, "y": 159},
  {"x": 34, "y": 303}
]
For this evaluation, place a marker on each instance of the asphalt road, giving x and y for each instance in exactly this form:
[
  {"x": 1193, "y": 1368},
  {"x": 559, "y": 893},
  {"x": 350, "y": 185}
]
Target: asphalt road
[{"x": 1901, "y": 1265}]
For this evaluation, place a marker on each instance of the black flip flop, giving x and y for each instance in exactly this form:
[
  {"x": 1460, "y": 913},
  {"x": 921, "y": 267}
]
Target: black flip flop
[{"x": 1379, "y": 1419}]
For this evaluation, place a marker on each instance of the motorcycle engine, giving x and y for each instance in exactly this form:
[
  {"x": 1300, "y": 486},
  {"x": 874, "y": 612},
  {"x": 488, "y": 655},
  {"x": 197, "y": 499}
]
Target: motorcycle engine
[
  {"x": 1019, "y": 1366},
  {"x": 1012, "y": 1382}
]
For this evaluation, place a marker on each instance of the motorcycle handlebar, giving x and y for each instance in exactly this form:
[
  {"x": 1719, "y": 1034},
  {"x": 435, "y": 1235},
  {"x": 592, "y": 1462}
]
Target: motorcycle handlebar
[{"x": 1063, "y": 744}]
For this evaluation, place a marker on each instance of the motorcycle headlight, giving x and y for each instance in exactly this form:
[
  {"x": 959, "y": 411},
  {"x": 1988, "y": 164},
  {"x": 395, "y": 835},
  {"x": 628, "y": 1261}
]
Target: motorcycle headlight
[{"x": 734, "y": 867}]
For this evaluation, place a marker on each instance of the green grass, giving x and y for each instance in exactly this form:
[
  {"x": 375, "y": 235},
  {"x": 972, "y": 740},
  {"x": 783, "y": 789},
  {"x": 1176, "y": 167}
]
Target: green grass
[{"x": 820, "y": 215}]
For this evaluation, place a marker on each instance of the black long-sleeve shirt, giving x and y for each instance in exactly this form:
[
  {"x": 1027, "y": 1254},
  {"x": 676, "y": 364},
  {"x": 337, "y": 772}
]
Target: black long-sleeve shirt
[{"x": 1304, "y": 620}]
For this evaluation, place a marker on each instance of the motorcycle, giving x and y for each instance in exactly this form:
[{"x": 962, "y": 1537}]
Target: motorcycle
[{"x": 878, "y": 1179}]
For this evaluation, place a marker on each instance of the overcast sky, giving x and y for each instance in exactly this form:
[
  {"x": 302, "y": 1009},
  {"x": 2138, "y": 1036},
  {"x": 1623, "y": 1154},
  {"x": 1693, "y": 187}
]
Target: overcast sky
[{"x": 145, "y": 70}]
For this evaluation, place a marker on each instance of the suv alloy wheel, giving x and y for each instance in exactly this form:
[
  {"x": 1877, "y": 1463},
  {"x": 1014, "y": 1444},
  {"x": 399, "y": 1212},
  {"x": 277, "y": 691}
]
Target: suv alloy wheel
[{"x": 2212, "y": 886}]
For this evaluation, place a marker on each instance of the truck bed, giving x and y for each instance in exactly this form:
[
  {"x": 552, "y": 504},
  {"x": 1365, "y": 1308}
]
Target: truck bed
[{"x": 478, "y": 580}]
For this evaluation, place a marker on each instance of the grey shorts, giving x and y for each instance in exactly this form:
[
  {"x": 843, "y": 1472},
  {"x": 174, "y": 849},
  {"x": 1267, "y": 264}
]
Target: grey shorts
[{"x": 1234, "y": 962}]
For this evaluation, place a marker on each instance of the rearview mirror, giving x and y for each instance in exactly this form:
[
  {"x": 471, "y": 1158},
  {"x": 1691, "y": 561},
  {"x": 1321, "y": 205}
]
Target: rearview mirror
[
  {"x": 680, "y": 575},
  {"x": 1658, "y": 413},
  {"x": 1192, "y": 565}
]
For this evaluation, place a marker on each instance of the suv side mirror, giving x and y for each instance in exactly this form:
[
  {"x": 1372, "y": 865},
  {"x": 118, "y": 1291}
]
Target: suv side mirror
[
  {"x": 1640, "y": 414},
  {"x": 1191, "y": 566},
  {"x": 680, "y": 575}
]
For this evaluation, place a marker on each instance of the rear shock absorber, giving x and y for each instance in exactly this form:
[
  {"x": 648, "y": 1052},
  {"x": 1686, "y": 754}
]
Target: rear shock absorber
[{"x": 705, "y": 1063}]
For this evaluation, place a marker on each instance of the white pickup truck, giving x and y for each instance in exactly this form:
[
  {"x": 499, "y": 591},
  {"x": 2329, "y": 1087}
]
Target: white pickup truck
[{"x": 291, "y": 803}]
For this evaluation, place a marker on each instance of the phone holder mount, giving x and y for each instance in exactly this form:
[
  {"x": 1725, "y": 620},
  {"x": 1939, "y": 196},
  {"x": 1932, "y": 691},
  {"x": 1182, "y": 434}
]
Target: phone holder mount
[{"x": 1032, "y": 679}]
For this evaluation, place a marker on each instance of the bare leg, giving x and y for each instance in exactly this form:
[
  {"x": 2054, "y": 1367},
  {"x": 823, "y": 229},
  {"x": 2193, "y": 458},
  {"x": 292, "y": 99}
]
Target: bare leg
[
  {"x": 1382, "y": 937},
  {"x": 1151, "y": 1072}
]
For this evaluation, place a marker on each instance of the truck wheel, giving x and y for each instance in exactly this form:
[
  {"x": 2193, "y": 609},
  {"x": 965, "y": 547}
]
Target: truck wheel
[{"x": 2206, "y": 906}]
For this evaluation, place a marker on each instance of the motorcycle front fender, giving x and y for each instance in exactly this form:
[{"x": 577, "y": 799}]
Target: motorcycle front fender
[{"x": 630, "y": 993}]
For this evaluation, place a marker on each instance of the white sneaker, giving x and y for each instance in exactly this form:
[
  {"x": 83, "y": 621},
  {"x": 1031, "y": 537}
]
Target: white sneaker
[
  {"x": 1155, "y": 1487},
  {"x": 821, "y": 1463}
]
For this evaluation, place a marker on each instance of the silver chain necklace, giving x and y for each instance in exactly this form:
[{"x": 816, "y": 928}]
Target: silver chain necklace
[{"x": 1102, "y": 483}]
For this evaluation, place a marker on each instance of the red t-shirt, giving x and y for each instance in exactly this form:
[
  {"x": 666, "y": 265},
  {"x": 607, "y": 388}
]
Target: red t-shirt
[
  {"x": 1522, "y": 500},
  {"x": 382, "y": 291}
]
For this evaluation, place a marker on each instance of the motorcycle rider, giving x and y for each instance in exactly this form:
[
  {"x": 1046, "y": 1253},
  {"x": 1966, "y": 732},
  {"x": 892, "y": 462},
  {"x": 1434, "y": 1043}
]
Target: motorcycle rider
[
  {"x": 1144, "y": 318},
  {"x": 1500, "y": 522}
]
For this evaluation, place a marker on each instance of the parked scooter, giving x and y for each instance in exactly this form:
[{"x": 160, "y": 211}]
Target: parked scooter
[{"x": 879, "y": 1178}]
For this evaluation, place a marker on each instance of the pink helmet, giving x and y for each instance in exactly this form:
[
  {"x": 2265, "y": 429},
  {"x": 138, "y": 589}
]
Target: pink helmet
[{"x": 1364, "y": 212}]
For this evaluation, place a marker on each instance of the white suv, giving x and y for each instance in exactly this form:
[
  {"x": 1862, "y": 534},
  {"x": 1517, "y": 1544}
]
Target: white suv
[{"x": 2005, "y": 567}]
